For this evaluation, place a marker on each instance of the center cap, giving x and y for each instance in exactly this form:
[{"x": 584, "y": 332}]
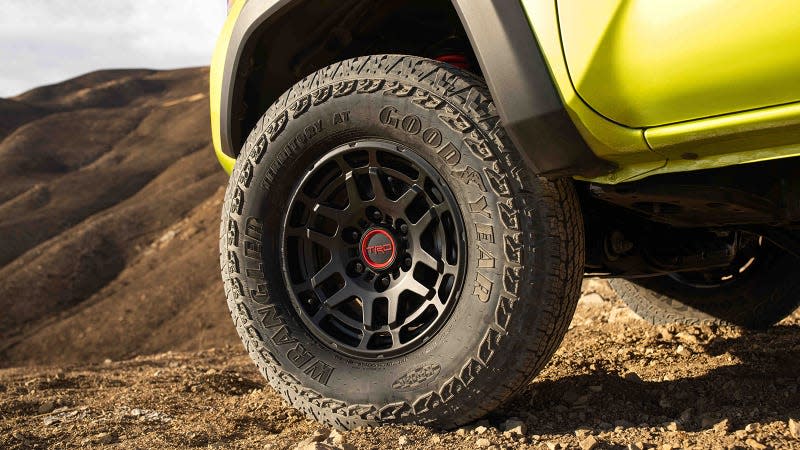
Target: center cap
[{"x": 378, "y": 248}]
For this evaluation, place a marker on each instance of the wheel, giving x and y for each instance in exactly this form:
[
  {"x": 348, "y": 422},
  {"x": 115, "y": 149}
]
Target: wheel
[
  {"x": 386, "y": 257},
  {"x": 757, "y": 291}
]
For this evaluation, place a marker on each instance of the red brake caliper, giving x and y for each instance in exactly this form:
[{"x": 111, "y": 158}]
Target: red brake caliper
[{"x": 455, "y": 59}]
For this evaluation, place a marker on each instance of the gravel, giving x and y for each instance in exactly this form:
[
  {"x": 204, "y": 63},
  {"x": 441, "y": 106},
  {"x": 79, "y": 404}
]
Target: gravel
[{"x": 618, "y": 383}]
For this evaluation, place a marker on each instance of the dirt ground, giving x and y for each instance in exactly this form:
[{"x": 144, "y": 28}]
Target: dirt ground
[{"x": 616, "y": 382}]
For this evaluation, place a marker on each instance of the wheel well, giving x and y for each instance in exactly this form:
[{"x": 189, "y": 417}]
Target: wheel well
[{"x": 312, "y": 34}]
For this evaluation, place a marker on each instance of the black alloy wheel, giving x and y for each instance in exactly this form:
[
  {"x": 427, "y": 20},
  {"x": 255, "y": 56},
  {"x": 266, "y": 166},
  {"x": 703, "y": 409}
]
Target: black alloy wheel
[{"x": 373, "y": 249}]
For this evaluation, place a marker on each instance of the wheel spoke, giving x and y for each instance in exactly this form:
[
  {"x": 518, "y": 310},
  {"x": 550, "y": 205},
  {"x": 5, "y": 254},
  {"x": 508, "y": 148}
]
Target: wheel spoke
[
  {"x": 423, "y": 257},
  {"x": 319, "y": 238},
  {"x": 377, "y": 185},
  {"x": 449, "y": 269},
  {"x": 433, "y": 213},
  {"x": 408, "y": 196},
  {"x": 340, "y": 296},
  {"x": 416, "y": 287},
  {"x": 373, "y": 158},
  {"x": 391, "y": 316},
  {"x": 367, "y": 306},
  {"x": 325, "y": 272},
  {"x": 423, "y": 222},
  {"x": 365, "y": 337},
  {"x": 334, "y": 214},
  {"x": 353, "y": 196},
  {"x": 320, "y": 314}
]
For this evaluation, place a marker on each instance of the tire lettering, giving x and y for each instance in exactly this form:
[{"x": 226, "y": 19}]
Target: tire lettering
[
  {"x": 482, "y": 288},
  {"x": 312, "y": 130},
  {"x": 319, "y": 371},
  {"x": 388, "y": 116},
  {"x": 411, "y": 124},
  {"x": 341, "y": 117},
  {"x": 485, "y": 232},
  {"x": 259, "y": 294},
  {"x": 432, "y": 137},
  {"x": 485, "y": 259},
  {"x": 299, "y": 356},
  {"x": 282, "y": 336},
  {"x": 269, "y": 317},
  {"x": 450, "y": 154}
]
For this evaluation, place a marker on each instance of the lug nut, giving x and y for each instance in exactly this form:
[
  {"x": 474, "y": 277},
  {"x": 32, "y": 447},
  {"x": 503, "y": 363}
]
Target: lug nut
[
  {"x": 376, "y": 215},
  {"x": 384, "y": 281},
  {"x": 358, "y": 267},
  {"x": 404, "y": 228},
  {"x": 354, "y": 236},
  {"x": 407, "y": 262}
]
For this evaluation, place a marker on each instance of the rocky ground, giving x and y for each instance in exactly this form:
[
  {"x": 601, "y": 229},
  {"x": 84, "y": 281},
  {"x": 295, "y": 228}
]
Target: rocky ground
[{"x": 616, "y": 382}]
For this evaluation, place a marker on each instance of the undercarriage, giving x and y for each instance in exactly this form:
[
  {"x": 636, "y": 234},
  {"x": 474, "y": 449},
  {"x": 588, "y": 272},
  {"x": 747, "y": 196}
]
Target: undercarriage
[{"x": 704, "y": 220}]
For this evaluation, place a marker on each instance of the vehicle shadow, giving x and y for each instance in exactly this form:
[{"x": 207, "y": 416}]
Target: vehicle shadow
[{"x": 755, "y": 380}]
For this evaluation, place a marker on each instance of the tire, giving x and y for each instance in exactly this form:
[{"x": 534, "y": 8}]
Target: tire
[
  {"x": 755, "y": 298},
  {"x": 512, "y": 243}
]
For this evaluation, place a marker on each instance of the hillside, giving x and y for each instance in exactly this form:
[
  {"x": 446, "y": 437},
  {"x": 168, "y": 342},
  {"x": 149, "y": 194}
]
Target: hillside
[{"x": 108, "y": 219}]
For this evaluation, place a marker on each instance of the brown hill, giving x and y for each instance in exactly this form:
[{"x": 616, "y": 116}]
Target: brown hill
[{"x": 108, "y": 219}]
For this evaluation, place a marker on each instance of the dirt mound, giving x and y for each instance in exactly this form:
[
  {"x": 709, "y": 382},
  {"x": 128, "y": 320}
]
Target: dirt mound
[
  {"x": 108, "y": 219},
  {"x": 616, "y": 382}
]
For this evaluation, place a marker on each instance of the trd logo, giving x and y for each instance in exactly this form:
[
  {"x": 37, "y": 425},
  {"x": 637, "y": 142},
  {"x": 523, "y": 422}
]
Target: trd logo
[{"x": 375, "y": 249}]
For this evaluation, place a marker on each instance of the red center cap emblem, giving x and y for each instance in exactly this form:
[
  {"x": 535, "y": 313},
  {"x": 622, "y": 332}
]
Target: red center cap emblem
[{"x": 378, "y": 248}]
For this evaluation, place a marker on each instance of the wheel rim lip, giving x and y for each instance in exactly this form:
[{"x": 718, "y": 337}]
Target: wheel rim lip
[
  {"x": 365, "y": 248},
  {"x": 460, "y": 264}
]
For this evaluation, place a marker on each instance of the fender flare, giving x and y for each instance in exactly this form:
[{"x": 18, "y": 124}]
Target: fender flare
[{"x": 519, "y": 80}]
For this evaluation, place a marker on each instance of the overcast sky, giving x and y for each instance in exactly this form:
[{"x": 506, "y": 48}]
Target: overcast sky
[{"x": 46, "y": 41}]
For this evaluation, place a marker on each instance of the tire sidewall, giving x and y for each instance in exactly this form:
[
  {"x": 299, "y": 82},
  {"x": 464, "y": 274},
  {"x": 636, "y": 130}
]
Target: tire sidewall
[{"x": 303, "y": 141}]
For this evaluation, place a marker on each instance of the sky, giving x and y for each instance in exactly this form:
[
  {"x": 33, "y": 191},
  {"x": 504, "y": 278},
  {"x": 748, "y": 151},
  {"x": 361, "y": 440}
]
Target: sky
[{"x": 47, "y": 41}]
